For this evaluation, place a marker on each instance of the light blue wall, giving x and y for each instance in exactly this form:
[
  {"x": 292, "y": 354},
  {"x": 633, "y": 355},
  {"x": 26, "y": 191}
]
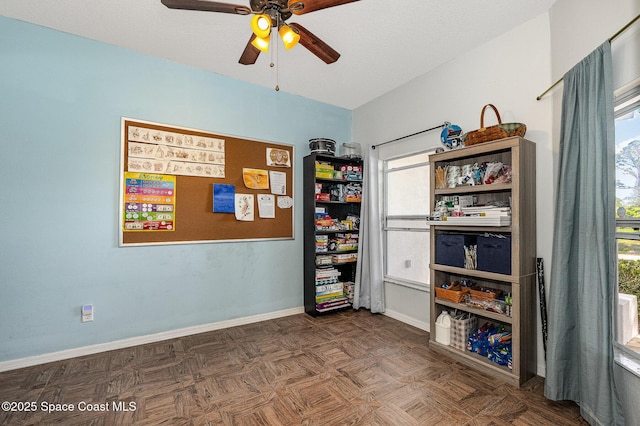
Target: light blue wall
[{"x": 61, "y": 101}]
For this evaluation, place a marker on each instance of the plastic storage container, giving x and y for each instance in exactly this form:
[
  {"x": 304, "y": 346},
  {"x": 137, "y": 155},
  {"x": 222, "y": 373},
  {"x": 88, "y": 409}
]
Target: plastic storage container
[
  {"x": 351, "y": 150},
  {"x": 443, "y": 328}
]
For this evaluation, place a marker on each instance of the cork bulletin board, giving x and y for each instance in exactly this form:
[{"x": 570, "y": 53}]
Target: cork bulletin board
[{"x": 180, "y": 186}]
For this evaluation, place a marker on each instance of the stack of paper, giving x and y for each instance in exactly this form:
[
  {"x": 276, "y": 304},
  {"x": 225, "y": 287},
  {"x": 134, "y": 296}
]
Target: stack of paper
[
  {"x": 481, "y": 216},
  {"x": 477, "y": 220},
  {"x": 486, "y": 211}
]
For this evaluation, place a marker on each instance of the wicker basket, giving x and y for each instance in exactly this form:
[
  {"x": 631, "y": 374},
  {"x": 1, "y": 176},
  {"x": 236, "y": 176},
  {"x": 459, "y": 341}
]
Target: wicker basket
[
  {"x": 484, "y": 295},
  {"x": 455, "y": 294},
  {"x": 492, "y": 133}
]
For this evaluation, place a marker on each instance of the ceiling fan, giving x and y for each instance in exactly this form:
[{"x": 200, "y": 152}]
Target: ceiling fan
[{"x": 270, "y": 14}]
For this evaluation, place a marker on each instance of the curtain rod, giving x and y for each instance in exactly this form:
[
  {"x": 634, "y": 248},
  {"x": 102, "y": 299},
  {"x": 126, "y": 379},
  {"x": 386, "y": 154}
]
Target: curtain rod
[
  {"x": 623, "y": 29},
  {"x": 446, "y": 123}
]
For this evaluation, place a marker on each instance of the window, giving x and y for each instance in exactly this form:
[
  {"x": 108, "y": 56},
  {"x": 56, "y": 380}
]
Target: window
[
  {"x": 406, "y": 234},
  {"x": 627, "y": 125}
]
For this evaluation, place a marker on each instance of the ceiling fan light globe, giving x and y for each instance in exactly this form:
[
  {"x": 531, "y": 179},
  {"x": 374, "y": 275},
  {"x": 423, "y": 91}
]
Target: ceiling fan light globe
[
  {"x": 261, "y": 25},
  {"x": 289, "y": 37},
  {"x": 261, "y": 43}
]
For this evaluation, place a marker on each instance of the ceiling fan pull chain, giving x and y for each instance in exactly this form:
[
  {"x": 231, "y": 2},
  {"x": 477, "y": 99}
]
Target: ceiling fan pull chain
[
  {"x": 278, "y": 23},
  {"x": 277, "y": 69}
]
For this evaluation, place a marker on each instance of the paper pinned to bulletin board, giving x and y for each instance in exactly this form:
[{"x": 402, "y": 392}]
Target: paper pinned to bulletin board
[
  {"x": 278, "y": 182},
  {"x": 149, "y": 202},
  {"x": 198, "y": 161},
  {"x": 278, "y": 157},
  {"x": 223, "y": 198},
  {"x": 255, "y": 178},
  {"x": 244, "y": 207},
  {"x": 267, "y": 206}
]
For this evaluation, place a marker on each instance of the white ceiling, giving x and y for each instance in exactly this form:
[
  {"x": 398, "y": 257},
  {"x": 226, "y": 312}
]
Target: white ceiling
[{"x": 383, "y": 43}]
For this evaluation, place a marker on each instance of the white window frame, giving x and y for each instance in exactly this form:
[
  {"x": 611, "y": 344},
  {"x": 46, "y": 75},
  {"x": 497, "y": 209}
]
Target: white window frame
[
  {"x": 628, "y": 358},
  {"x": 410, "y": 223}
]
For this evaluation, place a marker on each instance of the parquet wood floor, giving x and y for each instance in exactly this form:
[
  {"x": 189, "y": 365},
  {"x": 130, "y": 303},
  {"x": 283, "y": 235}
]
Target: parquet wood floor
[{"x": 349, "y": 368}]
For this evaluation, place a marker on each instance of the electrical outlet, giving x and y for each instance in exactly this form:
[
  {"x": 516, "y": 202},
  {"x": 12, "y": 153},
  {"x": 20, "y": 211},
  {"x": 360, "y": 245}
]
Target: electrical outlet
[{"x": 87, "y": 313}]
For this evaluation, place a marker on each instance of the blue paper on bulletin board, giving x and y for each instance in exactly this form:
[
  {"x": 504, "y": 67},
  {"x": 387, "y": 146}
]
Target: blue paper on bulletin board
[{"x": 223, "y": 198}]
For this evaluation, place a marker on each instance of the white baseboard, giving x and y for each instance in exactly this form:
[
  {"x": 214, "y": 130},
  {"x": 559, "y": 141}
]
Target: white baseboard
[
  {"x": 141, "y": 340},
  {"x": 407, "y": 319}
]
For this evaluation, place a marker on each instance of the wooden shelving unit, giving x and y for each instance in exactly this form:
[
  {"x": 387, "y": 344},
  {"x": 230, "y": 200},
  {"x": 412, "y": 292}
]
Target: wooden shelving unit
[{"x": 520, "y": 154}]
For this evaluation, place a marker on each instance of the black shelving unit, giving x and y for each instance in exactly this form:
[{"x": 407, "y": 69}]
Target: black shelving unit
[{"x": 338, "y": 263}]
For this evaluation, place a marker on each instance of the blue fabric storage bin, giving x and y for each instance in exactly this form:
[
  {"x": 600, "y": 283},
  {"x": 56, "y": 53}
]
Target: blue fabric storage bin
[
  {"x": 450, "y": 248},
  {"x": 494, "y": 254}
]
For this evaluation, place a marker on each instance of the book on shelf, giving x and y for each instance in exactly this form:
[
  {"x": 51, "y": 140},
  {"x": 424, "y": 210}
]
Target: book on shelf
[
  {"x": 324, "y": 288},
  {"x": 336, "y": 292},
  {"x": 326, "y": 276},
  {"x": 329, "y": 297},
  {"x": 324, "y": 260},
  {"x": 344, "y": 258},
  {"x": 486, "y": 211},
  {"x": 476, "y": 216},
  {"x": 325, "y": 273},
  {"x": 332, "y": 304},
  {"x": 476, "y": 220}
]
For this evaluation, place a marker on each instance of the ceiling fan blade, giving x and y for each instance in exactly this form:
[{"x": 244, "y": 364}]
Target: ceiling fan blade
[
  {"x": 300, "y": 7},
  {"x": 207, "y": 6},
  {"x": 250, "y": 54},
  {"x": 316, "y": 46}
]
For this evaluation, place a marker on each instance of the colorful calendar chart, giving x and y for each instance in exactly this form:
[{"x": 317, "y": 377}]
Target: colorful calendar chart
[{"x": 149, "y": 202}]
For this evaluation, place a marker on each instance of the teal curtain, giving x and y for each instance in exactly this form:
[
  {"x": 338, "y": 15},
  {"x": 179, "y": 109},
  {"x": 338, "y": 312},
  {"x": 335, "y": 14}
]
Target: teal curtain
[{"x": 583, "y": 283}]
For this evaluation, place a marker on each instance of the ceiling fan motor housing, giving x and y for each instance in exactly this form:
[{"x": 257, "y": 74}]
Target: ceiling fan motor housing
[{"x": 272, "y": 8}]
